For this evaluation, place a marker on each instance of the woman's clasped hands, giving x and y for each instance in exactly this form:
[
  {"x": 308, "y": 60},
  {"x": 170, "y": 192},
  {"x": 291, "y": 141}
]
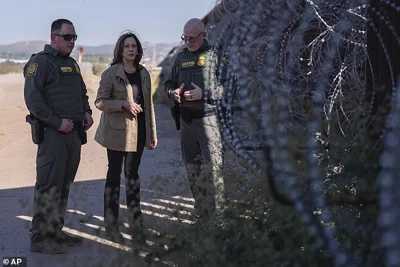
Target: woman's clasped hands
[{"x": 132, "y": 107}]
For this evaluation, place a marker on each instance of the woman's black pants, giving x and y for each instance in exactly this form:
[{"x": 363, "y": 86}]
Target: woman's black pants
[{"x": 131, "y": 162}]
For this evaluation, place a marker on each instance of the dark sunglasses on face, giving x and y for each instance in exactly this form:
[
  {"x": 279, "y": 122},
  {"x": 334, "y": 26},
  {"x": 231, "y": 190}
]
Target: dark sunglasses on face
[
  {"x": 190, "y": 39},
  {"x": 68, "y": 37}
]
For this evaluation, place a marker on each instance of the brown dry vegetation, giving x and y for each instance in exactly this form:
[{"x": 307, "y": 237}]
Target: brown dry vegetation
[{"x": 10, "y": 67}]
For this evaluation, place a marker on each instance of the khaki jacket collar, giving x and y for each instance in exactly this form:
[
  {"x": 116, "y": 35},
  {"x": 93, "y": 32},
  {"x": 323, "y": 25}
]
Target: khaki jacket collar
[{"x": 120, "y": 72}]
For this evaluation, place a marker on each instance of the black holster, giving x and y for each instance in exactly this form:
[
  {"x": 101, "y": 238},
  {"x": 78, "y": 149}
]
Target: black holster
[
  {"x": 37, "y": 128},
  {"x": 80, "y": 128},
  {"x": 83, "y": 136},
  {"x": 176, "y": 114}
]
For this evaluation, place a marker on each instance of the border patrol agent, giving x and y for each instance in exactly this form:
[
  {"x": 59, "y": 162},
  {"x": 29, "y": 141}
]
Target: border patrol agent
[
  {"x": 56, "y": 95},
  {"x": 199, "y": 130}
]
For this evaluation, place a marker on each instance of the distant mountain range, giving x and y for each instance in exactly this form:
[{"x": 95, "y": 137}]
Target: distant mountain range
[{"x": 25, "y": 49}]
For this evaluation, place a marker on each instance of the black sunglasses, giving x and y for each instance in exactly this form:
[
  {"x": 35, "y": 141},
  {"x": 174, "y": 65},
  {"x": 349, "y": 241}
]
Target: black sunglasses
[
  {"x": 190, "y": 39},
  {"x": 68, "y": 37}
]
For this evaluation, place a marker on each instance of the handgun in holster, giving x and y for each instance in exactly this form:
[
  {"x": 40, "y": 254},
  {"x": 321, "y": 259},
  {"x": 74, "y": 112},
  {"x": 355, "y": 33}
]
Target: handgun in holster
[
  {"x": 82, "y": 134},
  {"x": 176, "y": 114},
  {"x": 37, "y": 128},
  {"x": 80, "y": 128}
]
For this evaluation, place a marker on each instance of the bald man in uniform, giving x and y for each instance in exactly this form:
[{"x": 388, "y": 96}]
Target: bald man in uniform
[{"x": 192, "y": 84}]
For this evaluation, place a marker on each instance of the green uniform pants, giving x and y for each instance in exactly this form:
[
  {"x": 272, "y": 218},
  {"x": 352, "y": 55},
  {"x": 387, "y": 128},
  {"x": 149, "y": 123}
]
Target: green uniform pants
[
  {"x": 57, "y": 162},
  {"x": 203, "y": 157}
]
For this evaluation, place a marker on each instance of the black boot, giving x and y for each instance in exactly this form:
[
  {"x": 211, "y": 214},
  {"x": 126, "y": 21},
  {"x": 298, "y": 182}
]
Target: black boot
[
  {"x": 113, "y": 234},
  {"x": 136, "y": 229}
]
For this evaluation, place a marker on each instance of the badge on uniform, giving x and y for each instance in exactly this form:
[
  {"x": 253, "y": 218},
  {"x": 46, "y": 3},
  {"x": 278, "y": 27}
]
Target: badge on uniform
[
  {"x": 32, "y": 68},
  {"x": 201, "y": 61}
]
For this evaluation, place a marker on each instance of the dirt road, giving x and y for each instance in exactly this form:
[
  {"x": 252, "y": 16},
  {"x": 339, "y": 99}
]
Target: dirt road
[{"x": 166, "y": 199}]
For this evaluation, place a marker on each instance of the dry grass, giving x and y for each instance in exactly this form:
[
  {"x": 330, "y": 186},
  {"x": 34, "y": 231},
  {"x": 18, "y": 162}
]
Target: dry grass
[
  {"x": 158, "y": 87},
  {"x": 10, "y": 67},
  {"x": 98, "y": 68}
]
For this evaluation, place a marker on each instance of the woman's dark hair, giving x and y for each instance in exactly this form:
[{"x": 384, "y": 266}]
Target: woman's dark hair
[{"x": 119, "y": 47}]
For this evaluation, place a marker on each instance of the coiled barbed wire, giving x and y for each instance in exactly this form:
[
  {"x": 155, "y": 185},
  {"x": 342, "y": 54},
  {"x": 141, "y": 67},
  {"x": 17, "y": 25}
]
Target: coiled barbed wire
[
  {"x": 390, "y": 188},
  {"x": 297, "y": 64}
]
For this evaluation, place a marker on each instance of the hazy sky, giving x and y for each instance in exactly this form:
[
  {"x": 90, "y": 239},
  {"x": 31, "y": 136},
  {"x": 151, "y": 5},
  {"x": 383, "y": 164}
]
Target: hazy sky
[{"x": 99, "y": 21}]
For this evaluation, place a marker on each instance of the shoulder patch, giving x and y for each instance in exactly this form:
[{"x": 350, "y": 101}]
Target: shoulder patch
[
  {"x": 32, "y": 68},
  {"x": 77, "y": 68}
]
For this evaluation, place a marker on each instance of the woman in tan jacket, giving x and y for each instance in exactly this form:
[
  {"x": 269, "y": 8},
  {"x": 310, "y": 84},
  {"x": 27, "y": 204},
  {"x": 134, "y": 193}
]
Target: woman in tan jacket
[{"x": 127, "y": 125}]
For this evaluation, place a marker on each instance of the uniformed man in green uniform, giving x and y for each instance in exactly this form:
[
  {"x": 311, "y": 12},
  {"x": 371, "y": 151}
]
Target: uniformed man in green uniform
[
  {"x": 55, "y": 94},
  {"x": 193, "y": 84}
]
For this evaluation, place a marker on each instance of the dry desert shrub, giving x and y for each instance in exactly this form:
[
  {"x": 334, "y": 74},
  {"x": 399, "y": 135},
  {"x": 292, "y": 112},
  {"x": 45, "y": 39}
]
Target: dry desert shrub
[{"x": 10, "y": 67}]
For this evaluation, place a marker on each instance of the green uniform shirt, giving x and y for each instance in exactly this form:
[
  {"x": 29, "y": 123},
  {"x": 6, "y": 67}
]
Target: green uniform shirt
[
  {"x": 196, "y": 67},
  {"x": 54, "y": 88}
]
